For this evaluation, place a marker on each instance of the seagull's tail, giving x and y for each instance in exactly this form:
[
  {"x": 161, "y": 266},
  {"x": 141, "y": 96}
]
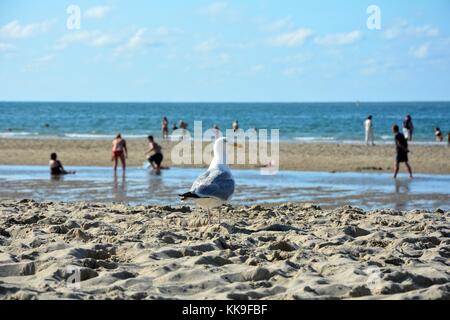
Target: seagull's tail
[{"x": 188, "y": 195}]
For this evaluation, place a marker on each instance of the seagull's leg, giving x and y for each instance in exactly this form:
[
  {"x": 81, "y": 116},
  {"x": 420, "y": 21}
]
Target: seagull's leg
[{"x": 209, "y": 216}]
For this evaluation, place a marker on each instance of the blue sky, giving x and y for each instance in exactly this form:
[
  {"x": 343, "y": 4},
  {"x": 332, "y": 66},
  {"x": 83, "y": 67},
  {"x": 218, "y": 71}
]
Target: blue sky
[{"x": 266, "y": 51}]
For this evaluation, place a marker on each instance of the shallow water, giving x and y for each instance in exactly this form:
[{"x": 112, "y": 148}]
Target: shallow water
[{"x": 140, "y": 186}]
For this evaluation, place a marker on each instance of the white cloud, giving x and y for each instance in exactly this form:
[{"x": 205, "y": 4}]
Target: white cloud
[
  {"x": 403, "y": 29},
  {"x": 292, "y": 71},
  {"x": 136, "y": 41},
  {"x": 88, "y": 38},
  {"x": 392, "y": 33},
  {"x": 278, "y": 25},
  {"x": 421, "y": 52},
  {"x": 292, "y": 39},
  {"x": 300, "y": 58},
  {"x": 224, "y": 57},
  {"x": 97, "y": 12},
  {"x": 14, "y": 29},
  {"x": 427, "y": 31},
  {"x": 207, "y": 46},
  {"x": 214, "y": 8},
  {"x": 257, "y": 69},
  {"x": 372, "y": 67},
  {"x": 38, "y": 63},
  {"x": 4, "y": 47},
  {"x": 164, "y": 31},
  {"x": 339, "y": 39}
]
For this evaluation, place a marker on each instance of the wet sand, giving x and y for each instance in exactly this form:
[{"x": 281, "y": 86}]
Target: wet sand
[
  {"x": 140, "y": 186},
  {"x": 290, "y": 251},
  {"x": 304, "y": 157}
]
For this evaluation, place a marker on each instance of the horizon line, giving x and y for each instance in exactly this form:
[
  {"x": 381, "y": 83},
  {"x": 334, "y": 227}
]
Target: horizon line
[{"x": 224, "y": 102}]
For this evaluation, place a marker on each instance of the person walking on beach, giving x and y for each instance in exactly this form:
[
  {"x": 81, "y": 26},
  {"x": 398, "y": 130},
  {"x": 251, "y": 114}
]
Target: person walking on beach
[
  {"x": 156, "y": 159},
  {"x": 401, "y": 145},
  {"x": 368, "y": 126},
  {"x": 165, "y": 128},
  {"x": 408, "y": 128},
  {"x": 56, "y": 167},
  {"x": 119, "y": 151}
]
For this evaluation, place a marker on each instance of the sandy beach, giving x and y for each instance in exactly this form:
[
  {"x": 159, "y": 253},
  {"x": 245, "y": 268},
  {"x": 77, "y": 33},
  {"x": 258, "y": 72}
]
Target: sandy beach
[
  {"x": 291, "y": 251},
  {"x": 304, "y": 157}
]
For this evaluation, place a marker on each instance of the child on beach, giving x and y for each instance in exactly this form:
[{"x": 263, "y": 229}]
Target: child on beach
[
  {"x": 119, "y": 151},
  {"x": 402, "y": 151},
  {"x": 156, "y": 159},
  {"x": 56, "y": 167},
  {"x": 165, "y": 128}
]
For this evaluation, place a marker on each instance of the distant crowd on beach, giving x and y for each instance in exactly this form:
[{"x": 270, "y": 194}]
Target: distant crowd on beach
[
  {"x": 119, "y": 151},
  {"x": 401, "y": 140},
  {"x": 408, "y": 131},
  {"x": 155, "y": 157}
]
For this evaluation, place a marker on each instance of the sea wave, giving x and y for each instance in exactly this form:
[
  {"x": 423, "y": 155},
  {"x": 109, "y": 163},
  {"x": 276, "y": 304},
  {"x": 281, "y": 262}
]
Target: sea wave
[
  {"x": 97, "y": 136},
  {"x": 314, "y": 139},
  {"x": 10, "y": 134}
]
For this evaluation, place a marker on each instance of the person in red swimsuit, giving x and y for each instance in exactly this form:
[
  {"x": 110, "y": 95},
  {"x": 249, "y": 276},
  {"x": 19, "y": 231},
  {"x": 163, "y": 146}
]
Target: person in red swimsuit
[{"x": 119, "y": 151}]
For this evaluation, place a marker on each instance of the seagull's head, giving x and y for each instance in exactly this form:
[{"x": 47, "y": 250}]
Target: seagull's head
[{"x": 220, "y": 149}]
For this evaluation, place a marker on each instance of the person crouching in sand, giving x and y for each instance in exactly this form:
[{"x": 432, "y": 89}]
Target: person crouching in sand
[
  {"x": 119, "y": 151},
  {"x": 402, "y": 151},
  {"x": 156, "y": 159},
  {"x": 56, "y": 167}
]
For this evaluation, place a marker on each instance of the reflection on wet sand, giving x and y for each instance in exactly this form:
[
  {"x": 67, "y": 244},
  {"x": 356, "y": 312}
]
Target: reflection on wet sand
[
  {"x": 402, "y": 186},
  {"x": 120, "y": 190},
  {"x": 56, "y": 177},
  {"x": 402, "y": 191},
  {"x": 365, "y": 190},
  {"x": 155, "y": 183}
]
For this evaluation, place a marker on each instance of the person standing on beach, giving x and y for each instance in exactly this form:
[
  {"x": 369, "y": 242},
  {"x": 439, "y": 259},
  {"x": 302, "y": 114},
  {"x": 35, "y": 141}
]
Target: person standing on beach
[
  {"x": 368, "y": 126},
  {"x": 119, "y": 151},
  {"x": 217, "y": 133},
  {"x": 165, "y": 128},
  {"x": 156, "y": 159},
  {"x": 402, "y": 151},
  {"x": 408, "y": 128},
  {"x": 438, "y": 135},
  {"x": 235, "y": 125}
]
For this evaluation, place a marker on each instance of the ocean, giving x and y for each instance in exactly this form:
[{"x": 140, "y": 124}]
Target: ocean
[{"x": 297, "y": 122}]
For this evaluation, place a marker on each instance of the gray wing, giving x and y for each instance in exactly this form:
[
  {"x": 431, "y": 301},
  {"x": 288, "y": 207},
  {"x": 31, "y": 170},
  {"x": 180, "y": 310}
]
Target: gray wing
[{"x": 216, "y": 183}]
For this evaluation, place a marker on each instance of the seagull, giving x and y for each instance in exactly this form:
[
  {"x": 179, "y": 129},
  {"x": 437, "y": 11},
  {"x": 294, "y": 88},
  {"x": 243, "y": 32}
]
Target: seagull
[{"x": 215, "y": 187}]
